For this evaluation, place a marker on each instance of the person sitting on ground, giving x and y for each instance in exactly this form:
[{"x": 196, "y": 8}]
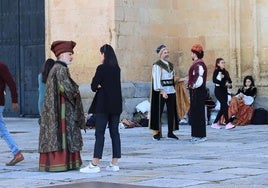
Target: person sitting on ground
[{"x": 241, "y": 105}]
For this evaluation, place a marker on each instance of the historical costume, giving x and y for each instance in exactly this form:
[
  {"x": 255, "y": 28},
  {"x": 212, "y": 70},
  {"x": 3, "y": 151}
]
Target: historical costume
[
  {"x": 163, "y": 86},
  {"x": 241, "y": 106},
  {"x": 182, "y": 98},
  {"x": 197, "y": 86},
  {"x": 60, "y": 139}
]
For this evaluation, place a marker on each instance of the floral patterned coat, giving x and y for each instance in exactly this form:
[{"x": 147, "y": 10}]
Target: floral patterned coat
[{"x": 59, "y": 83}]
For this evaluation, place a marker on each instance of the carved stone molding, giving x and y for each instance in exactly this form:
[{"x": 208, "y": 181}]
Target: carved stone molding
[{"x": 234, "y": 39}]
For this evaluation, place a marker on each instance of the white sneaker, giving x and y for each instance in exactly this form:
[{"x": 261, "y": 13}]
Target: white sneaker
[
  {"x": 112, "y": 167},
  {"x": 229, "y": 126},
  {"x": 90, "y": 169},
  {"x": 215, "y": 126}
]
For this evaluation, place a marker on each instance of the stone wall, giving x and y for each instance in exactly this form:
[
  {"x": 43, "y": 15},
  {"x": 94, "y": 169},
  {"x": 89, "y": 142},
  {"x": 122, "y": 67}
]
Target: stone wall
[
  {"x": 89, "y": 23},
  {"x": 233, "y": 29},
  {"x": 135, "y": 92}
]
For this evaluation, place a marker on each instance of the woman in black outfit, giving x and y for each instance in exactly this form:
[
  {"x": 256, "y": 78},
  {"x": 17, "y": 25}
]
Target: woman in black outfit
[
  {"x": 222, "y": 81},
  {"x": 107, "y": 106}
]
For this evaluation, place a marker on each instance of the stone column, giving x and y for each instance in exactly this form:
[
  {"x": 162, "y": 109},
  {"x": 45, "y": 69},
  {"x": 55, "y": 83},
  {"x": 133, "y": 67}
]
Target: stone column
[
  {"x": 234, "y": 39},
  {"x": 256, "y": 61}
]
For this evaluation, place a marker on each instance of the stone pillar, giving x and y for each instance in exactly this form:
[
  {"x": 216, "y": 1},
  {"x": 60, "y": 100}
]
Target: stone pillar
[
  {"x": 256, "y": 62},
  {"x": 234, "y": 39}
]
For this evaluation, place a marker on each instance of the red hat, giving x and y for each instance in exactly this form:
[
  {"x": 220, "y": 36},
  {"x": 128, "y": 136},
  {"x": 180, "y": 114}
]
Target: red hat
[
  {"x": 60, "y": 46},
  {"x": 197, "y": 48}
]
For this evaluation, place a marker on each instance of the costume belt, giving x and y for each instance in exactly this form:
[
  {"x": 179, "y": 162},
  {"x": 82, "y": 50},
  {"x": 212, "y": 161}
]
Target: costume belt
[{"x": 167, "y": 82}]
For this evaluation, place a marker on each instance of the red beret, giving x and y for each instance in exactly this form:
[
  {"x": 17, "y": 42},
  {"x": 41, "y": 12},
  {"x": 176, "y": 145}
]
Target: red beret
[
  {"x": 60, "y": 46},
  {"x": 197, "y": 48}
]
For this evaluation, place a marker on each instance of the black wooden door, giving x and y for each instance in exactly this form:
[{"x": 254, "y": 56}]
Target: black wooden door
[{"x": 22, "y": 48}]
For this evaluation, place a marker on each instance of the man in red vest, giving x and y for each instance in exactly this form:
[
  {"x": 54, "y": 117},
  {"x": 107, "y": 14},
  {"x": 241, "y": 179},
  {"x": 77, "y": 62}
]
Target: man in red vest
[{"x": 197, "y": 86}]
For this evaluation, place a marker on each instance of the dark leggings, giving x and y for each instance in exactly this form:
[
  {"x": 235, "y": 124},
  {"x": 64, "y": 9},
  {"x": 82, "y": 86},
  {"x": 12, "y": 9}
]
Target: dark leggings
[{"x": 222, "y": 96}]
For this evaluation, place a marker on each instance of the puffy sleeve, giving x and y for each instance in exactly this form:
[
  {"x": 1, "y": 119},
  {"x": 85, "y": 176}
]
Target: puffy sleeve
[
  {"x": 199, "y": 80},
  {"x": 156, "y": 74}
]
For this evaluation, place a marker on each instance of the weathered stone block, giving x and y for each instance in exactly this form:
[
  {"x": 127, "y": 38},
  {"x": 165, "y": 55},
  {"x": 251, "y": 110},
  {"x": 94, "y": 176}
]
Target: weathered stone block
[
  {"x": 130, "y": 104},
  {"x": 132, "y": 94},
  {"x": 142, "y": 89},
  {"x": 128, "y": 90},
  {"x": 261, "y": 102}
]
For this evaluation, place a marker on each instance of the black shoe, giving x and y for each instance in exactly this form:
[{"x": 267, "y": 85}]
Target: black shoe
[
  {"x": 156, "y": 136},
  {"x": 173, "y": 136},
  {"x": 232, "y": 118}
]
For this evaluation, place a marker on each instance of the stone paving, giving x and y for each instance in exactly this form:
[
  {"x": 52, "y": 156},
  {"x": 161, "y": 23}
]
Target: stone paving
[{"x": 229, "y": 158}]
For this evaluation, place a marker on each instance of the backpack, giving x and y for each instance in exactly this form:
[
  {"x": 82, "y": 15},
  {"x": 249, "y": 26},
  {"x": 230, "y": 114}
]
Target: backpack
[{"x": 259, "y": 116}]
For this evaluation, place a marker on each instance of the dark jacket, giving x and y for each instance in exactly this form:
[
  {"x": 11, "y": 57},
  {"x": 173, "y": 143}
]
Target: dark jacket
[
  {"x": 223, "y": 81},
  {"x": 6, "y": 79},
  {"x": 108, "y": 98},
  {"x": 252, "y": 91}
]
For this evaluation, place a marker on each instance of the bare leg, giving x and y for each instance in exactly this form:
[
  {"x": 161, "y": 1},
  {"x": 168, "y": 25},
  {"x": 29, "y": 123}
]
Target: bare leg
[
  {"x": 95, "y": 161},
  {"x": 114, "y": 161}
]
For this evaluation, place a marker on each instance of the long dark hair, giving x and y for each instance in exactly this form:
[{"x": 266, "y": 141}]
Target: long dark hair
[
  {"x": 217, "y": 62},
  {"x": 109, "y": 55},
  {"x": 47, "y": 66},
  {"x": 248, "y": 77}
]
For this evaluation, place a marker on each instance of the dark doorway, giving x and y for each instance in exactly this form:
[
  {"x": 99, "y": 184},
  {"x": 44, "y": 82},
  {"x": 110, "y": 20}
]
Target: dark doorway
[{"x": 22, "y": 48}]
